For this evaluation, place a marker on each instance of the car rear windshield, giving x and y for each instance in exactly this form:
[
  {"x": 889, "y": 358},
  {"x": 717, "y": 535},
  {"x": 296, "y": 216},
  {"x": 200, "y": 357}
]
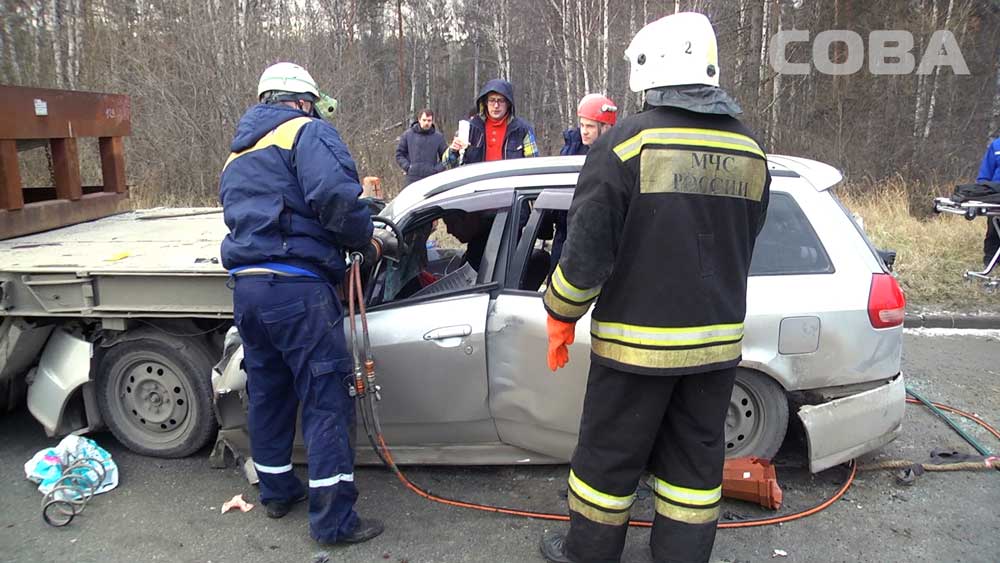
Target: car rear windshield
[{"x": 788, "y": 244}]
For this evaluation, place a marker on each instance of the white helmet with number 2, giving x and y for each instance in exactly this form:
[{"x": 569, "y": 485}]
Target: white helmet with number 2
[
  {"x": 287, "y": 77},
  {"x": 674, "y": 50}
]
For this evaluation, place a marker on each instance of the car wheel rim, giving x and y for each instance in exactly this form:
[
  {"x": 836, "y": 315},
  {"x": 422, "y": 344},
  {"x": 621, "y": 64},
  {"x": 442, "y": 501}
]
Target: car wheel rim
[
  {"x": 744, "y": 419},
  {"x": 153, "y": 398}
]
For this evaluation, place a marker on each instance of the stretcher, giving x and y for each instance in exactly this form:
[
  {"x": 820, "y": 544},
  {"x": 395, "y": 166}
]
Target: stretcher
[{"x": 970, "y": 210}]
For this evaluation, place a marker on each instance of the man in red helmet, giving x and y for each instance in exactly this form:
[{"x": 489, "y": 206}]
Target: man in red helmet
[{"x": 597, "y": 114}]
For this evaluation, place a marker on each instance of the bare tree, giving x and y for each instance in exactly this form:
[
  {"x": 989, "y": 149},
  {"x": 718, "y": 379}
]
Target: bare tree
[
  {"x": 937, "y": 77},
  {"x": 191, "y": 67}
]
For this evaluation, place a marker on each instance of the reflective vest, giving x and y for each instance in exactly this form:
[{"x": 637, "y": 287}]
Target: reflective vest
[{"x": 661, "y": 231}]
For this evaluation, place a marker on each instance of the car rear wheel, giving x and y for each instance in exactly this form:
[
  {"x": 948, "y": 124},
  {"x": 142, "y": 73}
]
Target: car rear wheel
[
  {"x": 758, "y": 416},
  {"x": 155, "y": 394}
]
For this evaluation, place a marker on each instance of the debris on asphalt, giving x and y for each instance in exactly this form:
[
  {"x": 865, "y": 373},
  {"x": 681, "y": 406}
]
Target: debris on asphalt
[
  {"x": 237, "y": 502},
  {"x": 47, "y": 467},
  {"x": 69, "y": 475},
  {"x": 730, "y": 515},
  {"x": 779, "y": 553}
]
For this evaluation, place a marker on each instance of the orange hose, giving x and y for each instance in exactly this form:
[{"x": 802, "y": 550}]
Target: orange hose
[
  {"x": 387, "y": 455},
  {"x": 565, "y": 518}
]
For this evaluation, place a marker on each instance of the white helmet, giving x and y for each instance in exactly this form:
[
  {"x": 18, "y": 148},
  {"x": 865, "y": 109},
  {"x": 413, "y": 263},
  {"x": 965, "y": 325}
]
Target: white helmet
[
  {"x": 287, "y": 77},
  {"x": 672, "y": 51}
]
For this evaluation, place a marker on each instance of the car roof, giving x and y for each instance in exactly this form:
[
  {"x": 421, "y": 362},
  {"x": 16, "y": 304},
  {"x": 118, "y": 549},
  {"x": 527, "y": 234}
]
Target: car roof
[{"x": 817, "y": 174}]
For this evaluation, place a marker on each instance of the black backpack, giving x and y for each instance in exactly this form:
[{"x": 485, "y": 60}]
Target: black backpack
[{"x": 984, "y": 192}]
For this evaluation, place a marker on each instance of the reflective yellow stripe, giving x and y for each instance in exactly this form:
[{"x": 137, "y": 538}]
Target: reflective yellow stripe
[
  {"x": 666, "y": 358},
  {"x": 687, "y": 136},
  {"x": 596, "y": 514},
  {"x": 667, "y": 336},
  {"x": 593, "y": 496},
  {"x": 563, "y": 308},
  {"x": 684, "y": 495},
  {"x": 282, "y": 136},
  {"x": 569, "y": 291},
  {"x": 685, "y": 514}
]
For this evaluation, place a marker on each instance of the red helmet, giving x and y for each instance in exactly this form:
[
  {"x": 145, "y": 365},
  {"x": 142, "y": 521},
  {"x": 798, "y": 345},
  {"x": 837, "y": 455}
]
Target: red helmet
[{"x": 599, "y": 108}]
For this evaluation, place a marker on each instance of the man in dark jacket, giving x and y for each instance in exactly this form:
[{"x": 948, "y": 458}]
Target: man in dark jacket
[
  {"x": 290, "y": 197},
  {"x": 662, "y": 226},
  {"x": 420, "y": 149},
  {"x": 496, "y": 132}
]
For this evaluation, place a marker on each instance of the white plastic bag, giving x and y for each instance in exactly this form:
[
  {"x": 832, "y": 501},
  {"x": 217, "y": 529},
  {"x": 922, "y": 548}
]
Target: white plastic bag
[{"x": 46, "y": 466}]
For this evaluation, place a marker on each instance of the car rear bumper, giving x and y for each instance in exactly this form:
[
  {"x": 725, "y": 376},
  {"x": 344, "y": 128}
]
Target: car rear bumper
[{"x": 841, "y": 429}]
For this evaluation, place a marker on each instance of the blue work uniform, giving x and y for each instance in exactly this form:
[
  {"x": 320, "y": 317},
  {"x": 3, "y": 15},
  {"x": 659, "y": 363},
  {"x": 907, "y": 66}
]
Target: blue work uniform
[
  {"x": 989, "y": 171},
  {"x": 289, "y": 193}
]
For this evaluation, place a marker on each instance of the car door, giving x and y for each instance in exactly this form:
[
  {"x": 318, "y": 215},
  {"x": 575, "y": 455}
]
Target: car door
[
  {"x": 430, "y": 350},
  {"x": 534, "y": 408}
]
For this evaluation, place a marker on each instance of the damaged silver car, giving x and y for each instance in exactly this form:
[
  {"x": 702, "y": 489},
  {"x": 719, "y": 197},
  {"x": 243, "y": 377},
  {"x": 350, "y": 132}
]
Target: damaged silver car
[{"x": 459, "y": 337}]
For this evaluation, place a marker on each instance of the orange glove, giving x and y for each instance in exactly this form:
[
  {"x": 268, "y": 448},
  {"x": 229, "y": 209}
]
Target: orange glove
[{"x": 561, "y": 335}]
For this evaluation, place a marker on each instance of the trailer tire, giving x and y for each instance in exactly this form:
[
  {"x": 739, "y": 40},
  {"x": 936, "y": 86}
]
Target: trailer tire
[
  {"x": 155, "y": 394},
  {"x": 758, "y": 416}
]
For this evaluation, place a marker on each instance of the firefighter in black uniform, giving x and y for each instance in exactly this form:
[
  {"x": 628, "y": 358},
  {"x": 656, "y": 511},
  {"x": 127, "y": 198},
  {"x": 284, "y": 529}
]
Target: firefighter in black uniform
[{"x": 661, "y": 231}]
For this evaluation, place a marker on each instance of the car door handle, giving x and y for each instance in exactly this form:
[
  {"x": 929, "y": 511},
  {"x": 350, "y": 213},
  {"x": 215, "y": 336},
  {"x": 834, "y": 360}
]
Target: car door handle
[{"x": 448, "y": 332}]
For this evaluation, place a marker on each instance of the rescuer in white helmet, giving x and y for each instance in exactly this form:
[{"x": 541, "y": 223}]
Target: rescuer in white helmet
[
  {"x": 661, "y": 230},
  {"x": 290, "y": 197}
]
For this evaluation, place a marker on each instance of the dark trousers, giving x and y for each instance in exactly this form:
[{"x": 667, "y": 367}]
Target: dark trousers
[
  {"x": 295, "y": 352},
  {"x": 992, "y": 241},
  {"x": 674, "y": 426}
]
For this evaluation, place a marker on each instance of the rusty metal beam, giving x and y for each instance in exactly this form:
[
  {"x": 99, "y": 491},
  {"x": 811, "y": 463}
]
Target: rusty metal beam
[
  {"x": 41, "y": 113},
  {"x": 10, "y": 177},
  {"x": 46, "y": 215},
  {"x": 34, "y": 194},
  {"x": 66, "y": 169},
  {"x": 113, "y": 164}
]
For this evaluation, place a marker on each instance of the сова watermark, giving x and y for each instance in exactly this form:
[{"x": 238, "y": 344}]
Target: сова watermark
[{"x": 890, "y": 51}]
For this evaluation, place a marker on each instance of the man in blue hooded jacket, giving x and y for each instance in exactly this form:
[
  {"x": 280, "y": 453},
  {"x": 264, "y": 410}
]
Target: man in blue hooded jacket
[
  {"x": 289, "y": 194},
  {"x": 496, "y": 132}
]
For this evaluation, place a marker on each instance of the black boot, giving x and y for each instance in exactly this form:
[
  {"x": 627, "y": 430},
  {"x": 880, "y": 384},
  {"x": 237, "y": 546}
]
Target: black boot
[
  {"x": 553, "y": 547},
  {"x": 366, "y": 529},
  {"x": 279, "y": 508}
]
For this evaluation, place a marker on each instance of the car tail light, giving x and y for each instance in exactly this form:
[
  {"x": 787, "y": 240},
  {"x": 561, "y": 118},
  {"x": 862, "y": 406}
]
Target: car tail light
[{"x": 886, "y": 303}]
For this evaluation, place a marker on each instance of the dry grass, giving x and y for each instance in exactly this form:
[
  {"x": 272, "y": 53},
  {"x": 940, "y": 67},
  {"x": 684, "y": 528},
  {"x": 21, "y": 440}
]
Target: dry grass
[{"x": 932, "y": 252}]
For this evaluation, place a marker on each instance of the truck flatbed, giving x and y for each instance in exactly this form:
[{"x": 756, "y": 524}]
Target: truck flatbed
[{"x": 158, "y": 262}]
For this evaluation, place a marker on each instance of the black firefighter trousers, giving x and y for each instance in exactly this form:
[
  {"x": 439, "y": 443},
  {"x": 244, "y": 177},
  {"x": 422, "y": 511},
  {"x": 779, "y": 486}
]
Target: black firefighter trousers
[{"x": 674, "y": 426}]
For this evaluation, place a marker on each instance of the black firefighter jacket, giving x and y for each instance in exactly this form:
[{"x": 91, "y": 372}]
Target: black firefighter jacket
[{"x": 661, "y": 231}]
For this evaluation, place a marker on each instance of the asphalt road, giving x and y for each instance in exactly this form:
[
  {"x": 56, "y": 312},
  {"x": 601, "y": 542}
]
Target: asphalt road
[{"x": 168, "y": 510}]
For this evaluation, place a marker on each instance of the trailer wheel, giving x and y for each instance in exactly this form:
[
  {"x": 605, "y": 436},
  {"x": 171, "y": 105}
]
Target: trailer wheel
[
  {"x": 155, "y": 394},
  {"x": 758, "y": 416}
]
